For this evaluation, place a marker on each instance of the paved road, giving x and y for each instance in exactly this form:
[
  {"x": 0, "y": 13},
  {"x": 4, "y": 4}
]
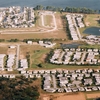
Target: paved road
[
  {"x": 61, "y": 56},
  {"x": 54, "y": 81},
  {"x": 78, "y": 32},
  {"x": 42, "y": 19},
  {"x": 83, "y": 57},
  {"x": 17, "y": 56}
]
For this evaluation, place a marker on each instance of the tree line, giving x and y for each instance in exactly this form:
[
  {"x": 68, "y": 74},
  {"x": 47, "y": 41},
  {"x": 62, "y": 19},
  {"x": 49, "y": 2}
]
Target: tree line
[
  {"x": 67, "y": 9},
  {"x": 33, "y": 40},
  {"x": 19, "y": 88}
]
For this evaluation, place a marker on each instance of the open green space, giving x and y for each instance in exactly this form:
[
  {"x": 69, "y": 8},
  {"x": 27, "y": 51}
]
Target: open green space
[
  {"x": 37, "y": 58},
  {"x": 87, "y": 46},
  {"x": 48, "y": 20},
  {"x": 39, "y": 55},
  {"x": 90, "y": 20}
]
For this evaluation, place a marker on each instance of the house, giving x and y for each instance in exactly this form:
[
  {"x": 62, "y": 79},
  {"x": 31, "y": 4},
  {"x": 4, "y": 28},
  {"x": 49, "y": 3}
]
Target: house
[
  {"x": 12, "y": 47},
  {"x": 26, "y": 75},
  {"x": 41, "y": 71},
  {"x": 68, "y": 90},
  {"x": 31, "y": 76},
  {"x": 29, "y": 42},
  {"x": 5, "y": 75},
  {"x": 81, "y": 89},
  {"x": 12, "y": 76},
  {"x": 51, "y": 90},
  {"x": 24, "y": 63},
  {"x": 29, "y": 72},
  {"x": 23, "y": 72}
]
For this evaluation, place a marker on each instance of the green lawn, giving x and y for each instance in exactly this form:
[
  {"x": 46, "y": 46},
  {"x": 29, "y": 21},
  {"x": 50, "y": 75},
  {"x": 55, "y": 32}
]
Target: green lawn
[
  {"x": 81, "y": 31},
  {"x": 53, "y": 66},
  {"x": 90, "y": 46},
  {"x": 38, "y": 56},
  {"x": 92, "y": 19}
]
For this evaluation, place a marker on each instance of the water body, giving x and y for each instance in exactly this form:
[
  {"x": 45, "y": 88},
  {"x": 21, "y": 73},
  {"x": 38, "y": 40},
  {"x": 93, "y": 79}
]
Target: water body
[
  {"x": 94, "y": 4},
  {"x": 72, "y": 45},
  {"x": 92, "y": 31}
]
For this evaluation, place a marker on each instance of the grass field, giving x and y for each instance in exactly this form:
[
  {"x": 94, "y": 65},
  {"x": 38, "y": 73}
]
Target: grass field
[
  {"x": 90, "y": 46},
  {"x": 90, "y": 20},
  {"x": 37, "y": 57},
  {"x": 48, "y": 20},
  {"x": 58, "y": 34}
]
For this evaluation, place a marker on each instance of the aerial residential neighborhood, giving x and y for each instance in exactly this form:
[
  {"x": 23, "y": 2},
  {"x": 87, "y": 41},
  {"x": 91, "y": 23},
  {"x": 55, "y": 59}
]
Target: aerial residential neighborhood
[
  {"x": 49, "y": 53},
  {"x": 16, "y": 17},
  {"x": 75, "y": 56}
]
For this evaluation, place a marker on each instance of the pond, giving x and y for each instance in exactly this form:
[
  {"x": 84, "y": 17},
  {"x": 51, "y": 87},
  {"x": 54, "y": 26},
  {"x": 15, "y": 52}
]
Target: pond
[
  {"x": 92, "y": 31},
  {"x": 72, "y": 45}
]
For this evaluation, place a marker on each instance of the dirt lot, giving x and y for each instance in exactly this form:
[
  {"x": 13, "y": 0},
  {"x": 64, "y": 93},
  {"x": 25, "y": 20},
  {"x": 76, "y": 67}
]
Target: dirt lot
[
  {"x": 3, "y": 49},
  {"x": 79, "y": 96},
  {"x": 63, "y": 96},
  {"x": 93, "y": 95},
  {"x": 55, "y": 34},
  {"x": 11, "y": 51},
  {"x": 59, "y": 20}
]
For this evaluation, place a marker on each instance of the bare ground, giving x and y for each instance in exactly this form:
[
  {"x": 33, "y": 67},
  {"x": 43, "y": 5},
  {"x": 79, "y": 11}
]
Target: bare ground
[{"x": 93, "y": 95}]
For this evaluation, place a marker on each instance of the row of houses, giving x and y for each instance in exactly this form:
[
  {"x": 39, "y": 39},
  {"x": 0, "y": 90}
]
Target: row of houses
[
  {"x": 71, "y": 26},
  {"x": 79, "y": 20},
  {"x": 2, "y": 61},
  {"x": 76, "y": 56},
  {"x": 23, "y": 63},
  {"x": 10, "y": 62},
  {"x": 92, "y": 39},
  {"x": 7, "y": 64},
  {"x": 8, "y": 75}
]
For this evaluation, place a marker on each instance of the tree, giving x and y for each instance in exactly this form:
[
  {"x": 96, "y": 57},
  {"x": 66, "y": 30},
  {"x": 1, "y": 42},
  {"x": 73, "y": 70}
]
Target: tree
[
  {"x": 39, "y": 65},
  {"x": 51, "y": 8},
  {"x": 39, "y": 7}
]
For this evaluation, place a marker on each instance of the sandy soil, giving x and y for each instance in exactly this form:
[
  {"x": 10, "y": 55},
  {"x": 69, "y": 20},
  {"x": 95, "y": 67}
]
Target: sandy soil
[
  {"x": 79, "y": 96},
  {"x": 11, "y": 51},
  {"x": 59, "y": 21},
  {"x": 93, "y": 95},
  {"x": 63, "y": 96},
  {"x": 45, "y": 98},
  {"x": 22, "y": 56},
  {"x": 87, "y": 23}
]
